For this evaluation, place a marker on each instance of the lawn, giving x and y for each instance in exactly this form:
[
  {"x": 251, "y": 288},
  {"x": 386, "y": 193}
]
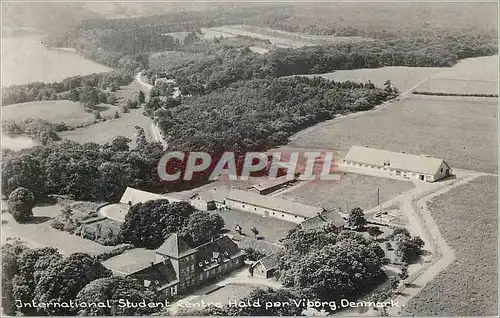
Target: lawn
[
  {"x": 463, "y": 131},
  {"x": 401, "y": 77},
  {"x": 55, "y": 111},
  {"x": 353, "y": 190},
  {"x": 468, "y": 219},
  {"x": 270, "y": 229}
]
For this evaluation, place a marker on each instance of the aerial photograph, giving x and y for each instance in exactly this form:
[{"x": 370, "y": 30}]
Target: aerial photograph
[{"x": 249, "y": 158}]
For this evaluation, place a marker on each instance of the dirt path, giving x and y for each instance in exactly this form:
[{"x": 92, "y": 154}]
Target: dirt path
[{"x": 147, "y": 87}]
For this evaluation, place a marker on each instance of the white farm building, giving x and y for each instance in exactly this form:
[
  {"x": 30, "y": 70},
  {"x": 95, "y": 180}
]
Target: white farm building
[{"x": 396, "y": 164}]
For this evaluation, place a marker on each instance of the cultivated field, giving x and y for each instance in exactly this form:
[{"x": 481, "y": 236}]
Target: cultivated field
[
  {"x": 457, "y": 86},
  {"x": 401, "y": 77},
  {"x": 463, "y": 131},
  {"x": 468, "y": 219},
  {"x": 470, "y": 76},
  {"x": 353, "y": 190},
  {"x": 55, "y": 111}
]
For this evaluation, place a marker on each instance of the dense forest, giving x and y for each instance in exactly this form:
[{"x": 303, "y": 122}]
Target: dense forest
[{"x": 261, "y": 113}]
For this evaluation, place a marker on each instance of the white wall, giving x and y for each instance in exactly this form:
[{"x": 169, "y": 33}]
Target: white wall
[{"x": 263, "y": 211}]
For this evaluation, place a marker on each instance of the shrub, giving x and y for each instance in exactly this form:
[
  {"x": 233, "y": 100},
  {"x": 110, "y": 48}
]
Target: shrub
[{"x": 20, "y": 204}]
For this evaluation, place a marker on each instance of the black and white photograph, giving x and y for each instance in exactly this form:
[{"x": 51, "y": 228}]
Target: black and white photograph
[{"x": 249, "y": 158}]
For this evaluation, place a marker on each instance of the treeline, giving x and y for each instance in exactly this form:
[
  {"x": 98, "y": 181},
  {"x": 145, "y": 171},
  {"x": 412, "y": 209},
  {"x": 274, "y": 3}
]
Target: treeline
[
  {"x": 453, "y": 94},
  {"x": 83, "y": 171},
  {"x": 42, "y": 275},
  {"x": 225, "y": 65},
  {"x": 259, "y": 114},
  {"x": 66, "y": 89}
]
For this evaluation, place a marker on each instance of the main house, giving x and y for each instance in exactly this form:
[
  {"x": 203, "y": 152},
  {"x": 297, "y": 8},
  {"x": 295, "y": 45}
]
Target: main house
[
  {"x": 396, "y": 164},
  {"x": 175, "y": 267}
]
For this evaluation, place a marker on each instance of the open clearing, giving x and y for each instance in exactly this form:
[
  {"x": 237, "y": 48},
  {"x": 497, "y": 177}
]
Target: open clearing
[
  {"x": 107, "y": 131},
  {"x": 277, "y": 37},
  {"x": 55, "y": 111},
  {"x": 353, "y": 190},
  {"x": 463, "y": 131},
  {"x": 401, "y": 77},
  {"x": 467, "y": 218}
]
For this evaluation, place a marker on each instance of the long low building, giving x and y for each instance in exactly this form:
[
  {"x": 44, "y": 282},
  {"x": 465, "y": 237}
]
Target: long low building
[
  {"x": 269, "y": 206},
  {"x": 397, "y": 164}
]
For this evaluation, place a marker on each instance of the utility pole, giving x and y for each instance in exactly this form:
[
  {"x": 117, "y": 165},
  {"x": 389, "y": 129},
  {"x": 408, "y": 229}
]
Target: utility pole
[{"x": 378, "y": 196}]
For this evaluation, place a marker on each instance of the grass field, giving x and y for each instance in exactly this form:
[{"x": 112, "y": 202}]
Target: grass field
[
  {"x": 401, "y": 77},
  {"x": 463, "y": 131},
  {"x": 468, "y": 219},
  {"x": 353, "y": 190},
  {"x": 474, "y": 69},
  {"x": 270, "y": 229},
  {"x": 107, "y": 131},
  {"x": 55, "y": 111},
  {"x": 457, "y": 86}
]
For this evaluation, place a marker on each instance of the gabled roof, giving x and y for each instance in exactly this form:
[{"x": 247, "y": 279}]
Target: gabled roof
[
  {"x": 269, "y": 262},
  {"x": 396, "y": 160},
  {"x": 138, "y": 196},
  {"x": 271, "y": 183},
  {"x": 174, "y": 246},
  {"x": 220, "y": 249},
  {"x": 274, "y": 203},
  {"x": 159, "y": 274},
  {"x": 322, "y": 219}
]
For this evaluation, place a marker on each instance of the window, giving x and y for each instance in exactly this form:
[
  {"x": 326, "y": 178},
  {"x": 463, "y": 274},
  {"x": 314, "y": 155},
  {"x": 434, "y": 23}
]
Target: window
[
  {"x": 282, "y": 215},
  {"x": 274, "y": 213},
  {"x": 201, "y": 276},
  {"x": 255, "y": 209},
  {"x": 295, "y": 216},
  {"x": 173, "y": 290},
  {"x": 192, "y": 267},
  {"x": 243, "y": 205}
]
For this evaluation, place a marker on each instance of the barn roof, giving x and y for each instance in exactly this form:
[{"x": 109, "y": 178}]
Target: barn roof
[
  {"x": 397, "y": 160},
  {"x": 271, "y": 183},
  {"x": 138, "y": 196},
  {"x": 274, "y": 203}
]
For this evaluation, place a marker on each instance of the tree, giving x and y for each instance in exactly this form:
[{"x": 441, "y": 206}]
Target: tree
[
  {"x": 120, "y": 143},
  {"x": 202, "y": 226},
  {"x": 394, "y": 282},
  {"x": 356, "y": 219},
  {"x": 408, "y": 248},
  {"x": 337, "y": 270},
  {"x": 20, "y": 204},
  {"x": 23, "y": 170},
  {"x": 132, "y": 103},
  {"x": 374, "y": 231},
  {"x": 252, "y": 254},
  {"x": 140, "y": 136},
  {"x": 255, "y": 232},
  {"x": 31, "y": 265},
  {"x": 111, "y": 99},
  {"x": 117, "y": 115},
  {"x": 97, "y": 115},
  {"x": 125, "y": 109},
  {"x": 113, "y": 289},
  {"x": 141, "y": 97},
  {"x": 63, "y": 280},
  {"x": 10, "y": 257},
  {"x": 403, "y": 275},
  {"x": 146, "y": 224}
]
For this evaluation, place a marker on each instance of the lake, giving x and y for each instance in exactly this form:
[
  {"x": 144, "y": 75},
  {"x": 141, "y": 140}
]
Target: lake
[{"x": 26, "y": 59}]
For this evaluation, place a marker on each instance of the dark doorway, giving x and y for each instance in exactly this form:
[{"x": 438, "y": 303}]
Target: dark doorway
[{"x": 422, "y": 177}]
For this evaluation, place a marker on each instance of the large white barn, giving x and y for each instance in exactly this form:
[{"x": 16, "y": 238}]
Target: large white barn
[{"x": 396, "y": 164}]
